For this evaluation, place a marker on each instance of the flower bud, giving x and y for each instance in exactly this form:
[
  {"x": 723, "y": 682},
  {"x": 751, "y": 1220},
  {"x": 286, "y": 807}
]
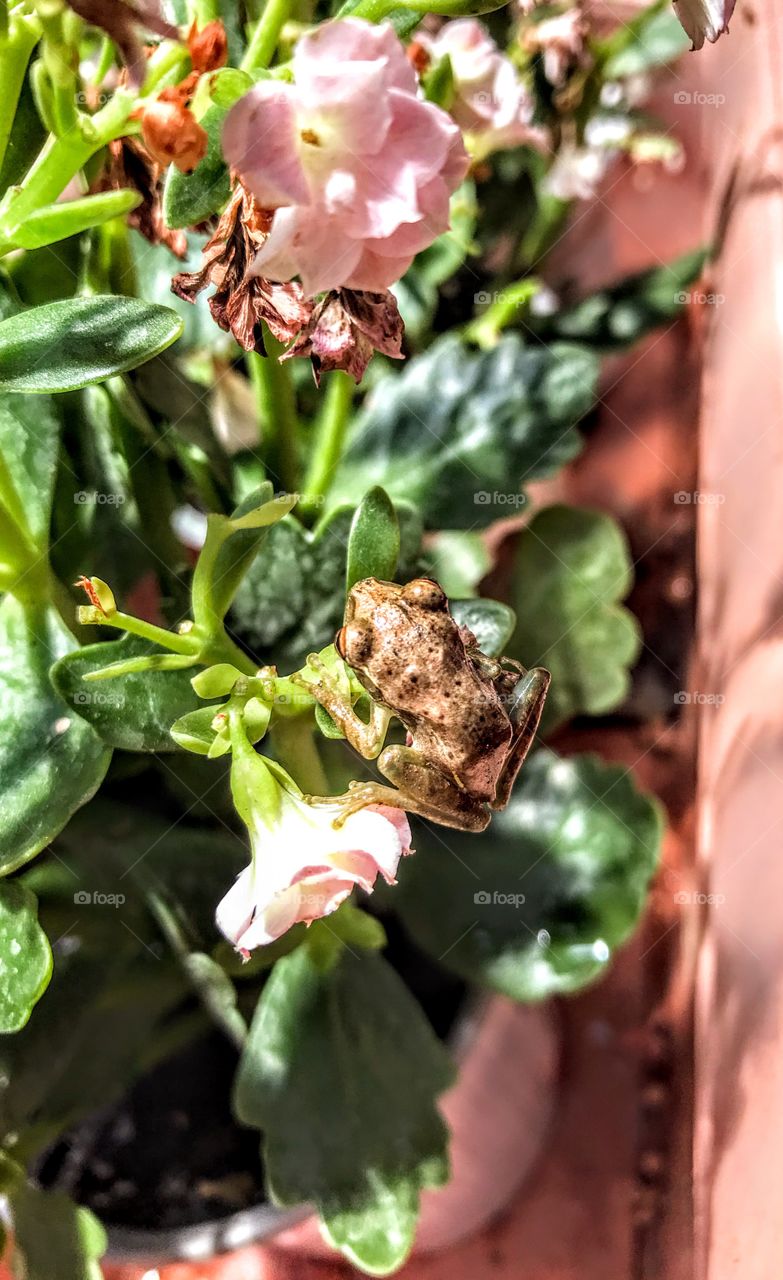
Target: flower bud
[
  {"x": 102, "y": 602},
  {"x": 171, "y": 133},
  {"x": 208, "y": 47}
]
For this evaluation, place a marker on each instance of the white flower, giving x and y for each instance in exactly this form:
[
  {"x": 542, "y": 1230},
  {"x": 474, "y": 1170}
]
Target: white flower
[
  {"x": 303, "y": 867},
  {"x": 704, "y": 19}
]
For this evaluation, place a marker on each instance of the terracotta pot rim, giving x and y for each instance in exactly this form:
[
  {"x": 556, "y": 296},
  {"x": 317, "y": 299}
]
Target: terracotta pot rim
[{"x": 262, "y": 1221}]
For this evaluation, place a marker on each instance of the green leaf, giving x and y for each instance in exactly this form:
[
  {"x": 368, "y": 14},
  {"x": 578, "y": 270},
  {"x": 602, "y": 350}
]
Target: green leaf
[
  {"x": 491, "y": 622},
  {"x": 191, "y": 198},
  {"x": 291, "y": 601},
  {"x": 25, "y": 956},
  {"x": 624, "y": 312},
  {"x": 341, "y": 1072},
  {"x": 373, "y": 539},
  {"x": 29, "y": 441},
  {"x": 194, "y": 732},
  {"x": 572, "y": 568},
  {"x": 58, "y": 221},
  {"x": 51, "y": 760},
  {"x": 459, "y": 560},
  {"x": 132, "y": 712},
  {"x": 535, "y": 906},
  {"x": 217, "y": 993},
  {"x": 77, "y": 341},
  {"x": 458, "y": 432},
  {"x": 54, "y": 1239}
]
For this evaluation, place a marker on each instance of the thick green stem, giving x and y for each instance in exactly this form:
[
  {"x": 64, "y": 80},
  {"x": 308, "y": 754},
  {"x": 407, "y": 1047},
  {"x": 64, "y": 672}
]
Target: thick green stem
[
  {"x": 182, "y": 644},
  {"x": 329, "y": 443},
  {"x": 277, "y": 413},
  {"x": 15, "y": 50},
  {"x": 61, "y": 159},
  {"x": 265, "y": 38}
]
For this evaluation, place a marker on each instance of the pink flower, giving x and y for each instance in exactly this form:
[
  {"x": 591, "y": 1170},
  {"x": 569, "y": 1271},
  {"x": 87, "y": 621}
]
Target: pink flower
[
  {"x": 358, "y": 168},
  {"x": 491, "y": 105},
  {"x": 304, "y": 868},
  {"x": 704, "y": 19}
]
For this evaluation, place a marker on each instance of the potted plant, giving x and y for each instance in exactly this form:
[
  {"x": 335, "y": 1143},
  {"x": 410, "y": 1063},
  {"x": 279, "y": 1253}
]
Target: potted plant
[{"x": 282, "y": 677}]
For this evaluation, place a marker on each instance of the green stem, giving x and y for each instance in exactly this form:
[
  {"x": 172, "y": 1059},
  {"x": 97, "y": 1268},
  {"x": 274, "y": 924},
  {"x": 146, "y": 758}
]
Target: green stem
[
  {"x": 507, "y": 308},
  {"x": 265, "y": 38},
  {"x": 330, "y": 440},
  {"x": 276, "y": 401},
  {"x": 294, "y": 743},
  {"x": 186, "y": 645},
  {"x": 204, "y": 11},
  {"x": 15, "y": 50},
  {"x": 61, "y": 159}
]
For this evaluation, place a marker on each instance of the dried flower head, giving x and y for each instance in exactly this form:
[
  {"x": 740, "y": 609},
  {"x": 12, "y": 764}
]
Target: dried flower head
[
  {"x": 346, "y": 327},
  {"x": 208, "y": 47},
  {"x": 241, "y": 302},
  {"x": 171, "y": 133}
]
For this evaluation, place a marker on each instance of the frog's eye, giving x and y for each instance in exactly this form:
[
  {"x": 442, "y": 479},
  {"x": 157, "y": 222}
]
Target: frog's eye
[
  {"x": 426, "y": 593},
  {"x": 354, "y": 644}
]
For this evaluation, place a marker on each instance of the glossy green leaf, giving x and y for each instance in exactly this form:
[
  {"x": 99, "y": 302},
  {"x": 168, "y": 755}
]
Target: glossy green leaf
[
  {"x": 360, "y": 1136},
  {"x": 132, "y": 712},
  {"x": 491, "y": 622},
  {"x": 459, "y": 432},
  {"x": 69, "y": 344},
  {"x": 51, "y": 760},
  {"x": 191, "y": 198},
  {"x": 536, "y": 905},
  {"x": 29, "y": 441},
  {"x": 624, "y": 312},
  {"x": 55, "y": 1239},
  {"x": 291, "y": 601},
  {"x": 572, "y": 569},
  {"x": 25, "y": 956},
  {"x": 69, "y": 218},
  {"x": 373, "y": 539}
]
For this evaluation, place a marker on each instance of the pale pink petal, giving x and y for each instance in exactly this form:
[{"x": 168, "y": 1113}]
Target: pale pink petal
[
  {"x": 375, "y": 272},
  {"x": 261, "y": 141},
  {"x": 353, "y": 40}
]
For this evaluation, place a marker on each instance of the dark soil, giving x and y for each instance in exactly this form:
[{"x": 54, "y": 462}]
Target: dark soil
[{"x": 169, "y": 1153}]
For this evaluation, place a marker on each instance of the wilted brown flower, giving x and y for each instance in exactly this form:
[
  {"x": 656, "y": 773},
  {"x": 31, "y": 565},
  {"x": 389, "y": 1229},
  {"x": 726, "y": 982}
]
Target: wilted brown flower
[
  {"x": 346, "y": 327},
  {"x": 170, "y": 131},
  {"x": 120, "y": 19},
  {"x": 241, "y": 302},
  {"x": 208, "y": 47},
  {"x": 131, "y": 165}
]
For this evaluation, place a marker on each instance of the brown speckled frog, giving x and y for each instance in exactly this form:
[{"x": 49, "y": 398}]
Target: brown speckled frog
[{"x": 470, "y": 719}]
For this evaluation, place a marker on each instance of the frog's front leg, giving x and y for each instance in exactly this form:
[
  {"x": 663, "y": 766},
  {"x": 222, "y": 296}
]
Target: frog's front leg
[
  {"x": 525, "y": 715},
  {"x": 365, "y": 736},
  {"x": 418, "y": 788}
]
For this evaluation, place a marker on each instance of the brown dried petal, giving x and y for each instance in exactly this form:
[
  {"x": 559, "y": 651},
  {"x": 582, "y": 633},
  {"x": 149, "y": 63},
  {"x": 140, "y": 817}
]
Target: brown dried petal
[
  {"x": 208, "y": 47},
  {"x": 345, "y": 328},
  {"x": 130, "y": 165},
  {"x": 172, "y": 134}
]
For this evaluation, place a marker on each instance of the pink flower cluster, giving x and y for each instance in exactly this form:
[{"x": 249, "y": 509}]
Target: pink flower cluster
[
  {"x": 356, "y": 166},
  {"x": 492, "y": 106}
]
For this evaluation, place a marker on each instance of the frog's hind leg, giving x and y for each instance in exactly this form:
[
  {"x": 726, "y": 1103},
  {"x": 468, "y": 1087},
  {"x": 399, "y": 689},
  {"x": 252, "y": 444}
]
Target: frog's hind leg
[
  {"x": 525, "y": 714},
  {"x": 419, "y": 788}
]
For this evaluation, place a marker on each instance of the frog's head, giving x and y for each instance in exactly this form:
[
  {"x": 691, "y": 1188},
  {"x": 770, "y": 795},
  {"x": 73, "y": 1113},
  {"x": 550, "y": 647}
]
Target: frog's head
[{"x": 379, "y": 611}]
